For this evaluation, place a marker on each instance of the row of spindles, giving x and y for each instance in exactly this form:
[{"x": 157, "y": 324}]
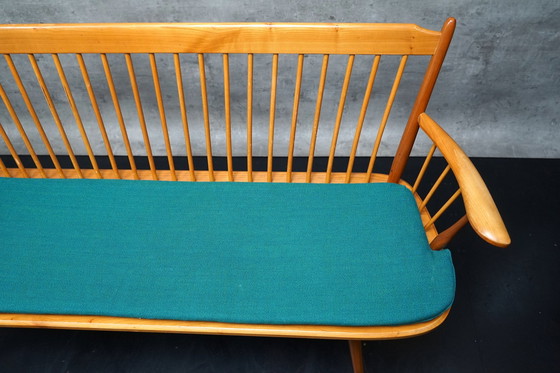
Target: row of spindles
[
  {"x": 206, "y": 119},
  {"x": 185, "y": 124}
]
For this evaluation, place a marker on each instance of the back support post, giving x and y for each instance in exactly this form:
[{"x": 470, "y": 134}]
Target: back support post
[{"x": 411, "y": 129}]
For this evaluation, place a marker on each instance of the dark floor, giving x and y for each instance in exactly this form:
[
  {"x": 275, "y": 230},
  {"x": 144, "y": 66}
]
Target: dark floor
[{"x": 506, "y": 316}]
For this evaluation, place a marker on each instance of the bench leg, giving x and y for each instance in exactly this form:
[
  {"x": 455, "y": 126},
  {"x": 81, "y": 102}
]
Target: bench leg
[{"x": 357, "y": 356}]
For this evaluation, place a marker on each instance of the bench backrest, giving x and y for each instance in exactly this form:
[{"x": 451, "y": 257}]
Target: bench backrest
[{"x": 196, "y": 73}]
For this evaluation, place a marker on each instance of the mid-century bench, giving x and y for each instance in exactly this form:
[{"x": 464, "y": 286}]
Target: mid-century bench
[{"x": 154, "y": 179}]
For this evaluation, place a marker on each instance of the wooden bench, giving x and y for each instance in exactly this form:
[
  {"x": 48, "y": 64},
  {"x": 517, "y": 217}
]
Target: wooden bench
[{"x": 329, "y": 249}]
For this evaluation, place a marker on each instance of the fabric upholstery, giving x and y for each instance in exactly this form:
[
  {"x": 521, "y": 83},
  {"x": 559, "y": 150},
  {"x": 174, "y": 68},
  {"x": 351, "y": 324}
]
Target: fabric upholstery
[{"x": 266, "y": 253}]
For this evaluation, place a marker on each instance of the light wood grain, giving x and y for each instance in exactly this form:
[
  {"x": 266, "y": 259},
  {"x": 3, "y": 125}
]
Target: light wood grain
[
  {"x": 386, "y": 113},
  {"x": 54, "y": 112},
  {"x": 183, "y": 108},
  {"x": 339, "y": 113},
  {"x": 219, "y": 38},
  {"x": 227, "y": 115},
  {"x": 205, "y": 175},
  {"x": 295, "y": 110},
  {"x": 435, "y": 186},
  {"x": 97, "y": 112},
  {"x": 32, "y": 112},
  {"x": 197, "y": 327},
  {"x": 443, "y": 208},
  {"x": 363, "y": 111},
  {"x": 22, "y": 132},
  {"x": 140, "y": 111},
  {"x": 421, "y": 103},
  {"x": 118, "y": 111},
  {"x": 424, "y": 167},
  {"x": 250, "y": 117},
  {"x": 206, "y": 115},
  {"x": 481, "y": 210},
  {"x": 317, "y": 116},
  {"x": 162, "y": 116},
  {"x": 272, "y": 116},
  {"x": 14, "y": 154},
  {"x": 5, "y": 172},
  {"x": 76, "y": 113}
]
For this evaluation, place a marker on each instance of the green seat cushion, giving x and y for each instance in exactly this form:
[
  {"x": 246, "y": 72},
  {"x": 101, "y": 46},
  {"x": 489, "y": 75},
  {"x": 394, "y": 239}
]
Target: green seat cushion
[{"x": 265, "y": 253}]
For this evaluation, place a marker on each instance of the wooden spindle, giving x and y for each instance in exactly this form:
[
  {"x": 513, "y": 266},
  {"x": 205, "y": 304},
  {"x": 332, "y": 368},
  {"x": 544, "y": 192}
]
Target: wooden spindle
[
  {"x": 386, "y": 114},
  {"x": 204, "y": 97},
  {"x": 295, "y": 109},
  {"x": 421, "y": 102},
  {"x": 434, "y": 187},
  {"x": 3, "y": 168},
  {"x": 250, "y": 117},
  {"x": 34, "y": 116},
  {"x": 227, "y": 112},
  {"x": 443, "y": 238},
  {"x": 97, "y": 112},
  {"x": 443, "y": 208},
  {"x": 273, "y": 88},
  {"x": 339, "y": 113},
  {"x": 118, "y": 111},
  {"x": 22, "y": 133},
  {"x": 186, "y": 132},
  {"x": 361, "y": 118},
  {"x": 76, "y": 114},
  {"x": 424, "y": 168},
  {"x": 162, "y": 117},
  {"x": 54, "y": 114},
  {"x": 317, "y": 117},
  {"x": 13, "y": 153},
  {"x": 140, "y": 112}
]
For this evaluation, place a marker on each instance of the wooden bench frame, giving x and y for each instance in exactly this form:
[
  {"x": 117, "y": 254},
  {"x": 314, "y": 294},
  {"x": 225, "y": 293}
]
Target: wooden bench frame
[{"x": 274, "y": 39}]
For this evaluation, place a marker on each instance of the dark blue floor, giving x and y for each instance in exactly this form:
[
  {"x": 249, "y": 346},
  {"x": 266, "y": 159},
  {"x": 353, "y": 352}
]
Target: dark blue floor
[{"x": 506, "y": 316}]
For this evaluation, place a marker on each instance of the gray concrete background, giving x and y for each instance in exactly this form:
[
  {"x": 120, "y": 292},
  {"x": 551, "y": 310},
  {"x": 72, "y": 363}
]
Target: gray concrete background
[{"x": 498, "y": 94}]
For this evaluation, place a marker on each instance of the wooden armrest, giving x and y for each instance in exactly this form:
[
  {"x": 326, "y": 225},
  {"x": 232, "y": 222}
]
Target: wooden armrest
[{"x": 481, "y": 210}]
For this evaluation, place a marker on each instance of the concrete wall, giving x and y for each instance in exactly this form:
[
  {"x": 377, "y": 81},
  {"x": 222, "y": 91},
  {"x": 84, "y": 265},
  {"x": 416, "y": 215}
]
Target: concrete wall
[{"x": 498, "y": 93}]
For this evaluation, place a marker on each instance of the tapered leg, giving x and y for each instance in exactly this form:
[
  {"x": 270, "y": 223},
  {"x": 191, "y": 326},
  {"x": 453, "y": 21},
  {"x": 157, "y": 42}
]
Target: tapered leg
[{"x": 357, "y": 357}]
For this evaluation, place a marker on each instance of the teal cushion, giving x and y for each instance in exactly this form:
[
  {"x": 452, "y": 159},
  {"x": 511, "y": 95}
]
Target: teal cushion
[{"x": 266, "y": 253}]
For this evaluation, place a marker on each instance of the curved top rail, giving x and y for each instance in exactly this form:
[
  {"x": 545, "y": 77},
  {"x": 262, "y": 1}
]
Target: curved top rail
[{"x": 342, "y": 38}]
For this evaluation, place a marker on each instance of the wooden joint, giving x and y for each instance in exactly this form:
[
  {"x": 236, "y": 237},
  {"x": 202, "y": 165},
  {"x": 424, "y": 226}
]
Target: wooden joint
[{"x": 447, "y": 235}]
